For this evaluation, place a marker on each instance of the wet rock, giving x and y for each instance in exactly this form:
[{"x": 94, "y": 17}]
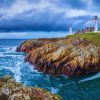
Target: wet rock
[
  {"x": 11, "y": 90},
  {"x": 71, "y": 57}
]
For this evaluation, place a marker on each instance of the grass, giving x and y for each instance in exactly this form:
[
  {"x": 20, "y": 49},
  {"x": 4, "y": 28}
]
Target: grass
[{"x": 93, "y": 36}]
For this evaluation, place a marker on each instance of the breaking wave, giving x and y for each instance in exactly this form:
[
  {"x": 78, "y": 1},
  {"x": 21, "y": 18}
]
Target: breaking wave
[
  {"x": 12, "y": 63},
  {"x": 90, "y": 78}
]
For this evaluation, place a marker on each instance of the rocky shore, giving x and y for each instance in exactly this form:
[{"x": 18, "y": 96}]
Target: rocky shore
[
  {"x": 12, "y": 90},
  {"x": 72, "y": 56}
]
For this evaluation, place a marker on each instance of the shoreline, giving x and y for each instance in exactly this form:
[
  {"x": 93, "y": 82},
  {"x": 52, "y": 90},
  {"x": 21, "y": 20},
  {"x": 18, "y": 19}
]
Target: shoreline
[
  {"x": 63, "y": 56},
  {"x": 10, "y": 89}
]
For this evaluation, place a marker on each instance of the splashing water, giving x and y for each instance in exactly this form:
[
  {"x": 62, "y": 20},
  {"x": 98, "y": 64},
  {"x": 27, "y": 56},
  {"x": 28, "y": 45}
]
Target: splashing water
[
  {"x": 91, "y": 78},
  {"x": 81, "y": 88}
]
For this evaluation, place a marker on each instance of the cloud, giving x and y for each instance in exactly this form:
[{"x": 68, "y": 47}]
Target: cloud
[
  {"x": 29, "y": 35},
  {"x": 46, "y": 15},
  {"x": 6, "y": 3}
]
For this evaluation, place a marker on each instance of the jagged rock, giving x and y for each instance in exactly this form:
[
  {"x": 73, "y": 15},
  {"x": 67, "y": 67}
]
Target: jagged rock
[
  {"x": 11, "y": 90},
  {"x": 68, "y": 56}
]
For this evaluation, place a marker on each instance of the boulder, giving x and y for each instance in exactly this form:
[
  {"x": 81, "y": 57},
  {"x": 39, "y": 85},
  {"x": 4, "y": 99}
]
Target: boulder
[
  {"x": 12, "y": 90},
  {"x": 63, "y": 56}
]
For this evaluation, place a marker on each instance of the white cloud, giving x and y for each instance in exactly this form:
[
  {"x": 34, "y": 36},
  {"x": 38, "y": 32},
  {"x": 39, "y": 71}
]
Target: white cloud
[
  {"x": 21, "y": 6},
  {"x": 40, "y": 9},
  {"x": 18, "y": 7},
  {"x": 25, "y": 35}
]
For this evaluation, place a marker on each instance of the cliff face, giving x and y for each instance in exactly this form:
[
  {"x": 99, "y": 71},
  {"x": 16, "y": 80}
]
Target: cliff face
[
  {"x": 71, "y": 56},
  {"x": 11, "y": 90}
]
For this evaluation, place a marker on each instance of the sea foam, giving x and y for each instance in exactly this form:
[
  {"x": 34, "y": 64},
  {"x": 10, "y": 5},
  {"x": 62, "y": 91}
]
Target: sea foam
[{"x": 90, "y": 78}]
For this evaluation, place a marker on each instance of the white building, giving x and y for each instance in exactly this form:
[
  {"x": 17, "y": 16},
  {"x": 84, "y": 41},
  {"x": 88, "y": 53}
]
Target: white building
[
  {"x": 70, "y": 29},
  {"x": 96, "y": 23}
]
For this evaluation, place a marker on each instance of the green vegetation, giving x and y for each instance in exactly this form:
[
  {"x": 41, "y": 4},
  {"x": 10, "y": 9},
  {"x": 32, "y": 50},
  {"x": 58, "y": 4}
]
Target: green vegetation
[{"x": 93, "y": 36}]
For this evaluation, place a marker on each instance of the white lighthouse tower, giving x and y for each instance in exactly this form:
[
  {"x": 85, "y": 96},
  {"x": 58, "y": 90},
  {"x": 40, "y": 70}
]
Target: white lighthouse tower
[
  {"x": 96, "y": 23},
  {"x": 70, "y": 29}
]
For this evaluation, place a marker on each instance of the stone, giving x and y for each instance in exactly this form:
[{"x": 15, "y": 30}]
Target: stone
[
  {"x": 12, "y": 90},
  {"x": 63, "y": 56}
]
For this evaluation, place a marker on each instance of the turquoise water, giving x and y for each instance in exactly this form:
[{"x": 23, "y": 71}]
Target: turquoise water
[{"x": 12, "y": 63}]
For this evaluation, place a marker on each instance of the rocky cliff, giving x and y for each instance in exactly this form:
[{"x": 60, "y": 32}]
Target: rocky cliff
[
  {"x": 11, "y": 90},
  {"x": 71, "y": 56}
]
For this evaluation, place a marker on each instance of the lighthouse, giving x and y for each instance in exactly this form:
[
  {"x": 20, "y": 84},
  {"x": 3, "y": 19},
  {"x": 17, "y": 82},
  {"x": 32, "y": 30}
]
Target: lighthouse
[
  {"x": 96, "y": 23},
  {"x": 70, "y": 29}
]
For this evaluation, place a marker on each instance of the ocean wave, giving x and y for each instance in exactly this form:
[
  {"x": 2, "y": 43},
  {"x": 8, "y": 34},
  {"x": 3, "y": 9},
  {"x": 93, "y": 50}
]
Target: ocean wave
[
  {"x": 90, "y": 78},
  {"x": 1, "y": 55},
  {"x": 7, "y": 49},
  {"x": 10, "y": 55},
  {"x": 17, "y": 74},
  {"x": 16, "y": 70}
]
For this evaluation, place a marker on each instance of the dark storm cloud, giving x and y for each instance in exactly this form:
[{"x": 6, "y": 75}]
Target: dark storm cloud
[
  {"x": 6, "y": 3},
  {"x": 97, "y": 2},
  {"x": 75, "y": 4},
  {"x": 46, "y": 15},
  {"x": 41, "y": 21}
]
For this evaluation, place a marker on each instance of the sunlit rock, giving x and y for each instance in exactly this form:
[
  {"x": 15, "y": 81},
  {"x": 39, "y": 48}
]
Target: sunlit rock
[{"x": 72, "y": 56}]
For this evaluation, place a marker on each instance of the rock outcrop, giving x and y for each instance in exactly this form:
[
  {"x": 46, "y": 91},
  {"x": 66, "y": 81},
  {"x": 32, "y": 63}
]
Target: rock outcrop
[
  {"x": 63, "y": 56},
  {"x": 11, "y": 90}
]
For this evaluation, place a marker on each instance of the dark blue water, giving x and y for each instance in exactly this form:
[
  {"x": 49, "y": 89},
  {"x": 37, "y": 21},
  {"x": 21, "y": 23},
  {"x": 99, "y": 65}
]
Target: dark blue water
[{"x": 12, "y": 63}]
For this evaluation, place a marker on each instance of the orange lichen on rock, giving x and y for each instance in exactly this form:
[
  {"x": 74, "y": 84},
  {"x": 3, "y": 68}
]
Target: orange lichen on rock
[{"x": 68, "y": 56}]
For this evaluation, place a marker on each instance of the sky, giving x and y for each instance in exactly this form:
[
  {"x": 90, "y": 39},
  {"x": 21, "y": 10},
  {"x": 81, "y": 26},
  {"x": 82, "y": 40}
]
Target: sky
[{"x": 45, "y": 18}]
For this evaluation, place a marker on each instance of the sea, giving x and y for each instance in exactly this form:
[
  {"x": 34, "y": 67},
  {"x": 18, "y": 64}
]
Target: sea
[{"x": 12, "y": 63}]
